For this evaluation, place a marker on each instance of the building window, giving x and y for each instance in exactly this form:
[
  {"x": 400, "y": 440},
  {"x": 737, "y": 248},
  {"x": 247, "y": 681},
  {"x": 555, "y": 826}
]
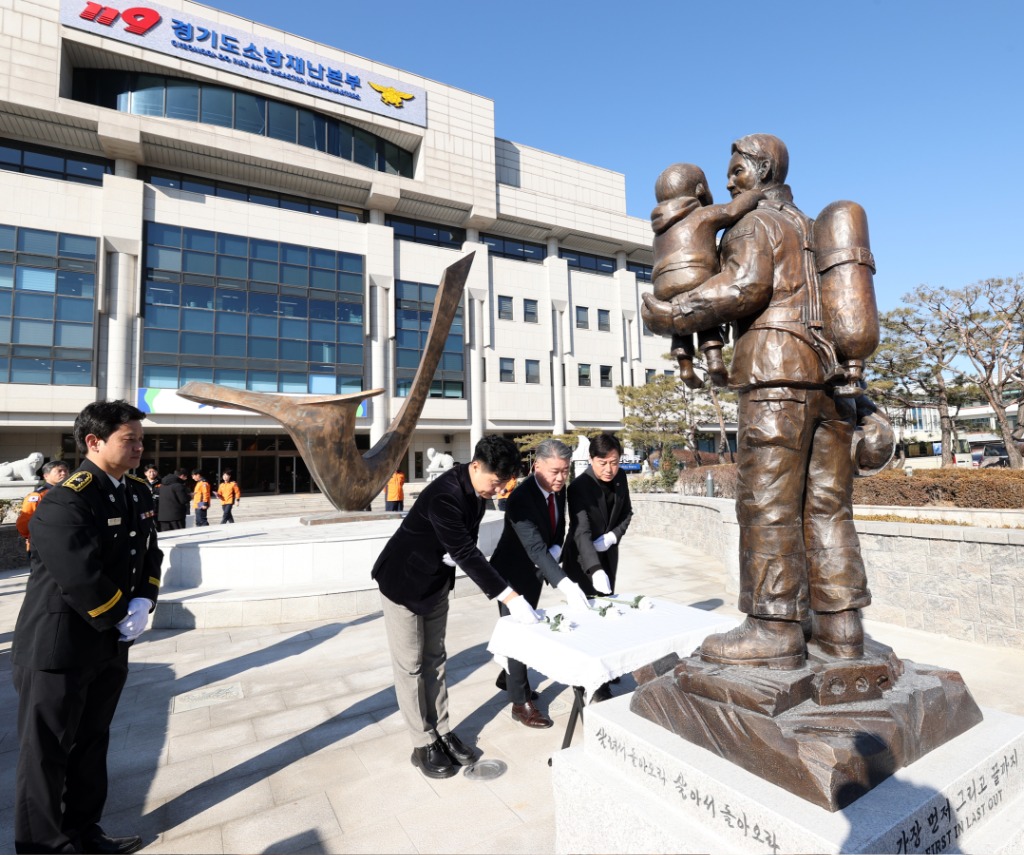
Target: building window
[
  {"x": 254, "y": 195},
  {"x": 206, "y": 103},
  {"x": 517, "y": 249},
  {"x": 414, "y": 307},
  {"x": 604, "y": 320},
  {"x": 53, "y": 163},
  {"x": 589, "y": 263},
  {"x": 429, "y": 233},
  {"x": 533, "y": 371},
  {"x": 530, "y": 315},
  {"x": 584, "y": 374},
  {"x": 650, "y": 374},
  {"x": 582, "y": 318},
  {"x": 250, "y": 313},
  {"x": 507, "y": 370},
  {"x": 47, "y": 307},
  {"x": 669, "y": 372},
  {"x": 504, "y": 308},
  {"x": 606, "y": 376},
  {"x": 643, "y": 271}
]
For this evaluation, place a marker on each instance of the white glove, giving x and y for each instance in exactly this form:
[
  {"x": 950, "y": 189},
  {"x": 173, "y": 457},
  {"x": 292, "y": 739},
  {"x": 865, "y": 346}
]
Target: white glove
[
  {"x": 602, "y": 584},
  {"x": 133, "y": 624},
  {"x": 447, "y": 559},
  {"x": 575, "y": 599},
  {"x": 555, "y": 552},
  {"x": 521, "y": 611},
  {"x": 605, "y": 541}
]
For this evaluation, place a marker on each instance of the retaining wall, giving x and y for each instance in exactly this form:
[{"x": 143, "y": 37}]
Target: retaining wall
[{"x": 959, "y": 581}]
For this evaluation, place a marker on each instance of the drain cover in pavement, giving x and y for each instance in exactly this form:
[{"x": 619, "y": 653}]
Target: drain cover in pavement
[{"x": 485, "y": 770}]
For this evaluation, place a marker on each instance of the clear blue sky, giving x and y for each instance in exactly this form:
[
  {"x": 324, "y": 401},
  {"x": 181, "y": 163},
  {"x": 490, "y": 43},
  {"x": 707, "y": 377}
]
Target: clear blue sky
[{"x": 911, "y": 108}]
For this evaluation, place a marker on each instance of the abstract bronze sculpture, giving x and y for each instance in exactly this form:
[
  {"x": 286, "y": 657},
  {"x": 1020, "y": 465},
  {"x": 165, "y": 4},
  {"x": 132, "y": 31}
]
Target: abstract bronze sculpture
[
  {"x": 323, "y": 426},
  {"x": 801, "y": 297}
]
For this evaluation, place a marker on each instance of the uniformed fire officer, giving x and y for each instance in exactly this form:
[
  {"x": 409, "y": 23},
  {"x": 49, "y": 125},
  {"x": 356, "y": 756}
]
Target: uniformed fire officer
[{"x": 95, "y": 571}]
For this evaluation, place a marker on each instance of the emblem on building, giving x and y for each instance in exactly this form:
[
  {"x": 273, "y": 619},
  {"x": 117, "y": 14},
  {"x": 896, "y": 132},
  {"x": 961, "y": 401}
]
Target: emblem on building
[{"x": 391, "y": 96}]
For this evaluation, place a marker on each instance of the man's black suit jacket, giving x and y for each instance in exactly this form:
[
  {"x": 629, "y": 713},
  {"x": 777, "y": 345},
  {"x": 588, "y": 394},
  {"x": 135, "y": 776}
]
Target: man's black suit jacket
[
  {"x": 589, "y": 518},
  {"x": 521, "y": 555},
  {"x": 444, "y": 518}
]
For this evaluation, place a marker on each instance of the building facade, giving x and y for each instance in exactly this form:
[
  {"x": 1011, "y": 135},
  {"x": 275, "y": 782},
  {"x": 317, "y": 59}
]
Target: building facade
[{"x": 191, "y": 195}]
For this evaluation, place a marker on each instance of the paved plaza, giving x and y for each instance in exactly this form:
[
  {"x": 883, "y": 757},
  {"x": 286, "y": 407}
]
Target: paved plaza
[{"x": 287, "y": 738}]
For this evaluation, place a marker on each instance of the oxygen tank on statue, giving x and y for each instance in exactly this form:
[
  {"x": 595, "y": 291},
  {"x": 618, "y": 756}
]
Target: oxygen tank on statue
[{"x": 846, "y": 268}]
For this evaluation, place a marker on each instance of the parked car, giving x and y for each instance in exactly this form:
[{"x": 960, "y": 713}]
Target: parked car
[{"x": 994, "y": 454}]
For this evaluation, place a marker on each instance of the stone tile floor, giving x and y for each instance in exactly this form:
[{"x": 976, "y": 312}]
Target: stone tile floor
[{"x": 287, "y": 738}]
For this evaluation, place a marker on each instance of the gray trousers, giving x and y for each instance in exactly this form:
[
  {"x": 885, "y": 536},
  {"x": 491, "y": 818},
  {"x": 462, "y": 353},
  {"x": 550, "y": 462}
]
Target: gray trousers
[{"x": 418, "y": 661}]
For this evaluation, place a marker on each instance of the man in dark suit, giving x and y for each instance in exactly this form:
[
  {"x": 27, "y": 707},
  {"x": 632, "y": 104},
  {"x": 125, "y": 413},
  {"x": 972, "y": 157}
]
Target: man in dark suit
[
  {"x": 93, "y": 583},
  {"x": 527, "y": 555},
  {"x": 416, "y": 572}
]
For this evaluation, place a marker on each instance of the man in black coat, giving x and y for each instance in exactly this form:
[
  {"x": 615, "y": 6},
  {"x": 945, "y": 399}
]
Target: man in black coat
[
  {"x": 175, "y": 501},
  {"x": 527, "y": 556},
  {"x": 95, "y": 572},
  {"x": 416, "y": 571},
  {"x": 599, "y": 514}
]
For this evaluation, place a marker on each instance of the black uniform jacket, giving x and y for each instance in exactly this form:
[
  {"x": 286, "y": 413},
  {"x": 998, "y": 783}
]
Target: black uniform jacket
[
  {"x": 521, "y": 555},
  {"x": 589, "y": 518},
  {"x": 89, "y": 557},
  {"x": 175, "y": 499},
  {"x": 444, "y": 518}
]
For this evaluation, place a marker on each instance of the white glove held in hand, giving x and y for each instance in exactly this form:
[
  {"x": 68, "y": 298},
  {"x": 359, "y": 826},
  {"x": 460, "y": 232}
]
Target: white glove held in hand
[
  {"x": 133, "y": 624},
  {"x": 555, "y": 552},
  {"x": 447, "y": 559},
  {"x": 605, "y": 541},
  {"x": 521, "y": 611},
  {"x": 574, "y": 596},
  {"x": 602, "y": 584}
]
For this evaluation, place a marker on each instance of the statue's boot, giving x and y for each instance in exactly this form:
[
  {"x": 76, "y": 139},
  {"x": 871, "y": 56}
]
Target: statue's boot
[
  {"x": 839, "y": 634},
  {"x": 758, "y": 643}
]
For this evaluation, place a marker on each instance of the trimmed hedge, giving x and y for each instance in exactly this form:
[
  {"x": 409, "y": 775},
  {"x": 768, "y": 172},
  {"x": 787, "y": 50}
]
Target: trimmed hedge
[{"x": 954, "y": 488}]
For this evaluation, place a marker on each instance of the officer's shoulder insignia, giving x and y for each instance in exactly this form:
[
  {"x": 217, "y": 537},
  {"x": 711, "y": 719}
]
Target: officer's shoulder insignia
[
  {"x": 136, "y": 478},
  {"x": 78, "y": 482}
]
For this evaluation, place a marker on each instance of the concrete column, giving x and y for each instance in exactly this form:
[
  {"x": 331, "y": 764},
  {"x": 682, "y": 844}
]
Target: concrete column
[
  {"x": 628, "y": 380},
  {"x": 558, "y": 361},
  {"x": 376, "y": 216},
  {"x": 472, "y": 235},
  {"x": 126, "y": 168},
  {"x": 553, "y": 246},
  {"x": 620, "y": 260},
  {"x": 379, "y": 339},
  {"x": 476, "y": 368},
  {"x": 121, "y": 311}
]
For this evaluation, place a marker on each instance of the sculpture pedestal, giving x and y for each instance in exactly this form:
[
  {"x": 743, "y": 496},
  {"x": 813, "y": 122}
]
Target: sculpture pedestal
[{"x": 635, "y": 787}]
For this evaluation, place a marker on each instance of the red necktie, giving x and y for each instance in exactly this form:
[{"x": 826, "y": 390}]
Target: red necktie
[{"x": 551, "y": 513}]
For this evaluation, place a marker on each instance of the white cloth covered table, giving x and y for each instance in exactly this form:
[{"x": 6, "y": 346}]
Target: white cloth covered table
[{"x": 600, "y": 649}]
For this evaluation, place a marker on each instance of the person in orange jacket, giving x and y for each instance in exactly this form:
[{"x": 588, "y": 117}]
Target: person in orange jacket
[
  {"x": 200, "y": 497},
  {"x": 229, "y": 495},
  {"x": 394, "y": 498},
  {"x": 53, "y": 473}
]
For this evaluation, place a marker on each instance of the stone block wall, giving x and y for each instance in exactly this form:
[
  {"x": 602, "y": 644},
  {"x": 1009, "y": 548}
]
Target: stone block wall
[{"x": 962, "y": 582}]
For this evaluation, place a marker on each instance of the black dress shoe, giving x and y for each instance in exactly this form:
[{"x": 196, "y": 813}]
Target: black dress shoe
[
  {"x": 433, "y": 761},
  {"x": 105, "y": 845},
  {"x": 529, "y": 715},
  {"x": 458, "y": 750},
  {"x": 501, "y": 681}
]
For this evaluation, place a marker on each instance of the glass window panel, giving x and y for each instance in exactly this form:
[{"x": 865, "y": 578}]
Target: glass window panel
[
  {"x": 198, "y": 344},
  {"x": 7, "y": 237},
  {"x": 162, "y": 235},
  {"x": 454, "y": 344},
  {"x": 230, "y": 345},
  {"x": 264, "y": 250},
  {"x": 453, "y": 389},
  {"x": 322, "y": 384},
  {"x": 148, "y": 95},
  {"x": 232, "y": 191},
  {"x": 10, "y": 155},
  {"x": 160, "y": 376},
  {"x": 392, "y": 161},
  {"x": 68, "y": 372},
  {"x": 203, "y": 188},
  {"x": 261, "y": 197},
  {"x": 348, "y": 384},
  {"x": 294, "y": 383},
  {"x": 6, "y": 275},
  {"x": 183, "y": 100},
  {"x": 37, "y": 161},
  {"x": 350, "y": 283},
  {"x": 298, "y": 276},
  {"x": 350, "y": 334},
  {"x": 322, "y": 331},
  {"x": 321, "y": 310},
  {"x": 350, "y": 354},
  {"x": 5, "y": 331},
  {"x": 5, "y": 306},
  {"x": 364, "y": 148},
  {"x": 200, "y": 241},
  {"x": 37, "y": 242},
  {"x": 77, "y": 246},
  {"x": 195, "y": 374},
  {"x": 339, "y": 140},
  {"x": 263, "y": 271},
  {"x": 197, "y": 297},
  {"x": 325, "y": 258},
  {"x": 161, "y": 293},
  {"x": 234, "y": 379},
  {"x": 350, "y": 313},
  {"x": 163, "y": 317},
  {"x": 325, "y": 209},
  {"x": 199, "y": 262},
  {"x": 404, "y": 338},
  {"x": 34, "y": 279},
  {"x": 250, "y": 113},
  {"x": 530, "y": 311},
  {"x": 164, "y": 259},
  {"x": 262, "y": 348},
  {"x": 291, "y": 254},
  {"x": 230, "y": 323},
  {"x": 30, "y": 371},
  {"x": 70, "y": 309},
  {"x": 197, "y": 320},
  {"x": 293, "y": 307},
  {"x": 294, "y": 329},
  {"x": 30, "y": 305},
  {"x": 32, "y": 332},
  {"x": 606, "y": 375},
  {"x": 604, "y": 320},
  {"x": 583, "y": 372},
  {"x": 507, "y": 370},
  {"x": 293, "y": 350},
  {"x": 216, "y": 105},
  {"x": 582, "y": 318},
  {"x": 73, "y": 335},
  {"x": 532, "y": 371},
  {"x": 294, "y": 203},
  {"x": 262, "y": 326},
  {"x": 426, "y": 233},
  {"x": 232, "y": 245},
  {"x": 451, "y": 362},
  {"x": 312, "y": 130},
  {"x": 282, "y": 121},
  {"x": 605, "y": 265},
  {"x": 234, "y": 268},
  {"x": 160, "y": 341},
  {"x": 322, "y": 351},
  {"x": 534, "y": 252},
  {"x": 407, "y": 358},
  {"x": 350, "y": 263}
]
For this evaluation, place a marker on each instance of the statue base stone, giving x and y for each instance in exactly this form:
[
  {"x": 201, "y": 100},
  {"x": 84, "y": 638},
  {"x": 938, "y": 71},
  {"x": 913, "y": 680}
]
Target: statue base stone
[
  {"x": 828, "y": 732},
  {"x": 633, "y": 786}
]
